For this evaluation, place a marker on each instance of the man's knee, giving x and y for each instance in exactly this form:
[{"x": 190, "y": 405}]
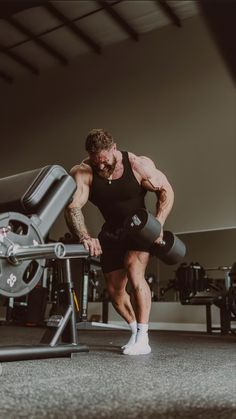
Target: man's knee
[
  {"x": 134, "y": 266},
  {"x": 115, "y": 292},
  {"x": 136, "y": 260},
  {"x": 116, "y": 284},
  {"x": 111, "y": 290}
]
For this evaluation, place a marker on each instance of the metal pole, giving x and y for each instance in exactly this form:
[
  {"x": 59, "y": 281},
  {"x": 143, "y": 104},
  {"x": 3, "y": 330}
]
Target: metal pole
[
  {"x": 71, "y": 301},
  {"x": 62, "y": 326},
  {"x": 84, "y": 316}
]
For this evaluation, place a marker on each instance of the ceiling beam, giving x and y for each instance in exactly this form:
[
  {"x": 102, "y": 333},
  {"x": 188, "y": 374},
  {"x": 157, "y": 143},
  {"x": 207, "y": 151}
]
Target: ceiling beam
[
  {"x": 73, "y": 27},
  {"x": 6, "y": 77},
  {"x": 9, "y": 8},
  {"x": 42, "y": 44},
  {"x": 61, "y": 25},
  {"x": 20, "y": 60},
  {"x": 169, "y": 12},
  {"x": 118, "y": 19}
]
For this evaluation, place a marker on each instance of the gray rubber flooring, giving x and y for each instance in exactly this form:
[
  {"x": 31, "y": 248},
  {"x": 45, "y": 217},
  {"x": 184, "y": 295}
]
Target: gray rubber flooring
[{"x": 186, "y": 376}]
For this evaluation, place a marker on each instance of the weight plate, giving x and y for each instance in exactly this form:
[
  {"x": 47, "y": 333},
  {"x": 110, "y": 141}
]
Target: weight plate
[
  {"x": 174, "y": 249},
  {"x": 18, "y": 280}
]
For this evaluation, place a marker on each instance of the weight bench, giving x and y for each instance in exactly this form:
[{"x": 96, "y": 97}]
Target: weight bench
[{"x": 30, "y": 203}]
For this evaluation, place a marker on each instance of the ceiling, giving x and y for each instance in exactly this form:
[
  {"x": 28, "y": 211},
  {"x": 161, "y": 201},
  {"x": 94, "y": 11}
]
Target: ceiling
[{"x": 36, "y": 35}]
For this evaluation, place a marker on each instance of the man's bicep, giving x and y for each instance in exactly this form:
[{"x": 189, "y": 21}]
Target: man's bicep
[
  {"x": 81, "y": 194},
  {"x": 80, "y": 197},
  {"x": 152, "y": 175},
  {"x": 159, "y": 180}
]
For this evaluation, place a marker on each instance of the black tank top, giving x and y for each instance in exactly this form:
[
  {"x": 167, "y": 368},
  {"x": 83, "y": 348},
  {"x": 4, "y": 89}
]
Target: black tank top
[{"x": 117, "y": 198}]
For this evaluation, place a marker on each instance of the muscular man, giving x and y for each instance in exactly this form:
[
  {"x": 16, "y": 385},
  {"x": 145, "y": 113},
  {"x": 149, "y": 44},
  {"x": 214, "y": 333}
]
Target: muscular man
[{"x": 116, "y": 182}]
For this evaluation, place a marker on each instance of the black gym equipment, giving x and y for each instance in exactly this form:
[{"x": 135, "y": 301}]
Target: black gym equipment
[
  {"x": 30, "y": 203},
  {"x": 196, "y": 287},
  {"x": 144, "y": 228}
]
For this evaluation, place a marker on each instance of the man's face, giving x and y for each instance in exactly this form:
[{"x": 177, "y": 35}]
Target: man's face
[{"x": 104, "y": 162}]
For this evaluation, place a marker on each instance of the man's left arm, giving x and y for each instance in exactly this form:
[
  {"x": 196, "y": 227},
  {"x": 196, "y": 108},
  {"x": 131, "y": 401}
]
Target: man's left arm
[{"x": 154, "y": 180}]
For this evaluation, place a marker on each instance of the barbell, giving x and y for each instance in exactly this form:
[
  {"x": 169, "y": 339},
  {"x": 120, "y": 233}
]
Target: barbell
[{"x": 144, "y": 229}]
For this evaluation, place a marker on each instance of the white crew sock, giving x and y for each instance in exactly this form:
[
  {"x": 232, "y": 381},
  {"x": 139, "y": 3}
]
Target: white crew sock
[
  {"x": 142, "y": 331},
  {"x": 141, "y": 346},
  {"x": 132, "y": 340}
]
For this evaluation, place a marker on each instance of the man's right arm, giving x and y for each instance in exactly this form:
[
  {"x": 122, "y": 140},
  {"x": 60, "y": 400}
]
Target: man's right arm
[{"x": 73, "y": 212}]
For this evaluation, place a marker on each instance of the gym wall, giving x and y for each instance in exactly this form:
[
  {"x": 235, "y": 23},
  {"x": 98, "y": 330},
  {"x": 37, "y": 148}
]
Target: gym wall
[{"x": 168, "y": 96}]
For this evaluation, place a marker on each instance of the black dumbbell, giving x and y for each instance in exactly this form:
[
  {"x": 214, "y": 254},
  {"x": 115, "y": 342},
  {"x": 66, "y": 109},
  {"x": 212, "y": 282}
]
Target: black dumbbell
[{"x": 145, "y": 229}]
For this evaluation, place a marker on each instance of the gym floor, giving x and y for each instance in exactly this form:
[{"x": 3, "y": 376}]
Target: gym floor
[{"x": 187, "y": 375}]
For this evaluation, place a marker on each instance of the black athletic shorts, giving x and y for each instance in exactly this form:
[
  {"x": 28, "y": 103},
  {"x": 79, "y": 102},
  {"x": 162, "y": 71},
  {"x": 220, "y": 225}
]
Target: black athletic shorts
[{"x": 115, "y": 244}]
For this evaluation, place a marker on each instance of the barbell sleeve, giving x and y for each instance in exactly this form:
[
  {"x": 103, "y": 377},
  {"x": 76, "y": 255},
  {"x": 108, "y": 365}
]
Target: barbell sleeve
[{"x": 16, "y": 253}]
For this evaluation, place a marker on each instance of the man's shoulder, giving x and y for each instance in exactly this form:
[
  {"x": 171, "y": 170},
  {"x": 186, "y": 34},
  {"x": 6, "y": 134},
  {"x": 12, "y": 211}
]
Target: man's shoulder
[
  {"x": 82, "y": 168},
  {"x": 132, "y": 157},
  {"x": 137, "y": 161}
]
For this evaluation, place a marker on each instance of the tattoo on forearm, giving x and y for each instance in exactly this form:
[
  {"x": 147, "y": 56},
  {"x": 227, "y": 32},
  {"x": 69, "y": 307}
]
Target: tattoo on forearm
[{"x": 75, "y": 222}]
